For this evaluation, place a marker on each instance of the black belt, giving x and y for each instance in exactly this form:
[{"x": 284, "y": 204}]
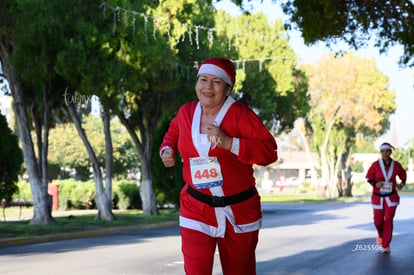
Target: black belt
[
  {"x": 216, "y": 201},
  {"x": 384, "y": 195}
]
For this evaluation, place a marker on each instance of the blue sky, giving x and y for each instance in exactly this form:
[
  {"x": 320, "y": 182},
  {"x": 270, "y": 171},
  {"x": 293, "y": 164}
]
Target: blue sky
[{"x": 401, "y": 80}]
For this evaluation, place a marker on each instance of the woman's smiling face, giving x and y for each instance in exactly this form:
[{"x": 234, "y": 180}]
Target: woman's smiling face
[{"x": 211, "y": 90}]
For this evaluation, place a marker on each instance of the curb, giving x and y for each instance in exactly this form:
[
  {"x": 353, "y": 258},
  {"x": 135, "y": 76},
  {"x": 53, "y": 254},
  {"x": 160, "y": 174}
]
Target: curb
[{"x": 83, "y": 234}]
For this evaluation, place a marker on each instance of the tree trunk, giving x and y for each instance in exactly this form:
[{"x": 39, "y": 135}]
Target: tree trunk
[
  {"x": 102, "y": 203},
  {"x": 45, "y": 148},
  {"x": 331, "y": 172},
  {"x": 336, "y": 154},
  {"x": 348, "y": 172},
  {"x": 324, "y": 164},
  {"x": 149, "y": 205},
  {"x": 43, "y": 125},
  {"x": 340, "y": 186},
  {"x": 325, "y": 171},
  {"x": 41, "y": 213},
  {"x": 108, "y": 167}
]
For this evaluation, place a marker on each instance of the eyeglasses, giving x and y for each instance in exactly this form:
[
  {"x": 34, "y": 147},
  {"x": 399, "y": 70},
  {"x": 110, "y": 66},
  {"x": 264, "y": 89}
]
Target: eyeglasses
[{"x": 383, "y": 151}]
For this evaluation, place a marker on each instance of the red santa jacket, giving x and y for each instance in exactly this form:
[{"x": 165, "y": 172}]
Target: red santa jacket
[
  {"x": 256, "y": 146},
  {"x": 376, "y": 174}
]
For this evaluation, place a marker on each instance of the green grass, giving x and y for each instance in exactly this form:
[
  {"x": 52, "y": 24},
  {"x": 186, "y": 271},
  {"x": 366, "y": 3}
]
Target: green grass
[{"x": 79, "y": 222}]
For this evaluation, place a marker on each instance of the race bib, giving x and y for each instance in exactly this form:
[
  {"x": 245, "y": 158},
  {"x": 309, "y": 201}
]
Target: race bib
[
  {"x": 205, "y": 172},
  {"x": 386, "y": 187}
]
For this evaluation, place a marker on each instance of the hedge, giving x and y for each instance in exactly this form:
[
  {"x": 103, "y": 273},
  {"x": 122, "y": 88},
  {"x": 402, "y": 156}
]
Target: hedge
[{"x": 81, "y": 194}]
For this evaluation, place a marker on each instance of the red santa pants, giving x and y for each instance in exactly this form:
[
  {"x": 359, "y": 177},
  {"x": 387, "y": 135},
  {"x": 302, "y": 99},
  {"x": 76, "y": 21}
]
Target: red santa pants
[
  {"x": 383, "y": 221},
  {"x": 237, "y": 252}
]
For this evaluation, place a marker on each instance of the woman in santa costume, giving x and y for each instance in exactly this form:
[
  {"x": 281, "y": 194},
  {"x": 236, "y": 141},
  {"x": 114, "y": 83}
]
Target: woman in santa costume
[
  {"x": 382, "y": 176},
  {"x": 219, "y": 140}
]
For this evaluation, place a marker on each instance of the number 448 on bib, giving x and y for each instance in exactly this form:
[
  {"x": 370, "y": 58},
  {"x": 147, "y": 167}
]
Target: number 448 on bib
[{"x": 205, "y": 172}]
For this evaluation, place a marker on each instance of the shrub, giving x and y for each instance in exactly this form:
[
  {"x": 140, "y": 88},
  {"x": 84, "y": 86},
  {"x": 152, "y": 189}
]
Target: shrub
[
  {"x": 24, "y": 193},
  {"x": 11, "y": 160},
  {"x": 126, "y": 195},
  {"x": 76, "y": 194}
]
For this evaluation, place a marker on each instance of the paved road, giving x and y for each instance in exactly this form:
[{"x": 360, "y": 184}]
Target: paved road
[{"x": 333, "y": 238}]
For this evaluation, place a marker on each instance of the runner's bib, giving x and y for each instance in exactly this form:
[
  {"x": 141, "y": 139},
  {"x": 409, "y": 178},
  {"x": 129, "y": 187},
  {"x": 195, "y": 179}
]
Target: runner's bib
[
  {"x": 386, "y": 188},
  {"x": 386, "y": 185},
  {"x": 205, "y": 172}
]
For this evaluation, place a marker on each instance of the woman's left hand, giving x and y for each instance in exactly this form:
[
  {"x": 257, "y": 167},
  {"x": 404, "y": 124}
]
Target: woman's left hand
[{"x": 218, "y": 138}]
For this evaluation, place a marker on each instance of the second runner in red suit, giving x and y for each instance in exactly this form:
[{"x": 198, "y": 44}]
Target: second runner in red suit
[
  {"x": 382, "y": 175},
  {"x": 219, "y": 141}
]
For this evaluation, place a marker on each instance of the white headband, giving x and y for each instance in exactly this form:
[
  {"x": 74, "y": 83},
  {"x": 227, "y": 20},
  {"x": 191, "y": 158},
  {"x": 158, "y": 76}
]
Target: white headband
[
  {"x": 385, "y": 147},
  {"x": 214, "y": 70}
]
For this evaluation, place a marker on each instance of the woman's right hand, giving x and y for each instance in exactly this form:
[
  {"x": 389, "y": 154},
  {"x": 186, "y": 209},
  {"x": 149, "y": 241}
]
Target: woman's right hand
[{"x": 168, "y": 158}]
